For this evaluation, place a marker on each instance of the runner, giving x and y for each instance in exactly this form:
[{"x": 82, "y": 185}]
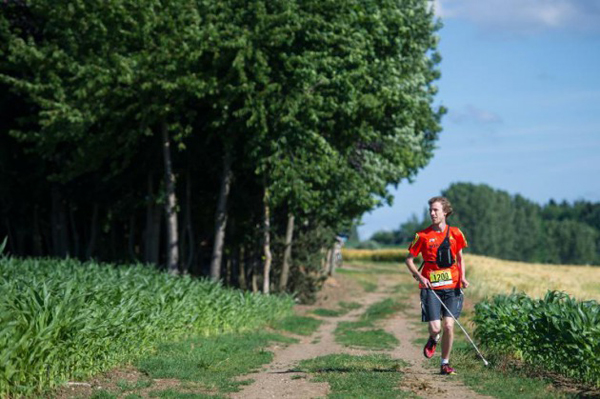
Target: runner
[{"x": 447, "y": 282}]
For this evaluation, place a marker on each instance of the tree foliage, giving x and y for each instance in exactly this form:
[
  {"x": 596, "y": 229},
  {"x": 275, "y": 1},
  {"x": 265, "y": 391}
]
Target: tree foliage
[
  {"x": 512, "y": 227},
  {"x": 321, "y": 104}
]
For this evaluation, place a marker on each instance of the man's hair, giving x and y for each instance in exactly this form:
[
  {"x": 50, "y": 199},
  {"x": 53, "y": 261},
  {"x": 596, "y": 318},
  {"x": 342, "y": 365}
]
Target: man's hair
[{"x": 446, "y": 205}]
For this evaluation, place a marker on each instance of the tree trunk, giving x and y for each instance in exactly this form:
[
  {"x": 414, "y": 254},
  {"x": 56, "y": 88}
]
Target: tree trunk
[
  {"x": 242, "y": 269},
  {"x": 10, "y": 242},
  {"x": 170, "y": 204},
  {"x": 60, "y": 241},
  {"x": 37, "y": 235},
  {"x": 188, "y": 234},
  {"x": 221, "y": 218},
  {"x": 74, "y": 233},
  {"x": 254, "y": 277},
  {"x": 153, "y": 223},
  {"x": 327, "y": 260},
  {"x": 267, "y": 242},
  {"x": 287, "y": 254},
  {"x": 93, "y": 233},
  {"x": 131, "y": 239}
]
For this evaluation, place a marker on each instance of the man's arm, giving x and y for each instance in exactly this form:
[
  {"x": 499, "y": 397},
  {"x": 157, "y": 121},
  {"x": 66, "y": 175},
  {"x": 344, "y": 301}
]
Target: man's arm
[
  {"x": 415, "y": 272},
  {"x": 461, "y": 263}
]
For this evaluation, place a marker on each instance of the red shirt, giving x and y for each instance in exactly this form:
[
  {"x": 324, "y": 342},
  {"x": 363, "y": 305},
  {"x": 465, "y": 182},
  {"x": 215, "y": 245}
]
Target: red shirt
[{"x": 427, "y": 242}]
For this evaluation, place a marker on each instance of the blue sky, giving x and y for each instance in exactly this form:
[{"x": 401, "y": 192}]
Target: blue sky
[{"x": 521, "y": 80}]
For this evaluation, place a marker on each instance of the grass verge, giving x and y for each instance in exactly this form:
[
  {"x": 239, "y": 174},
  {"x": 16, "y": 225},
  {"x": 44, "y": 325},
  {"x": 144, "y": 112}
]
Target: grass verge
[
  {"x": 363, "y": 333},
  {"x": 370, "y": 376},
  {"x": 212, "y": 362},
  {"x": 367, "y": 280},
  {"x": 500, "y": 379},
  {"x": 301, "y": 325},
  {"x": 343, "y": 308}
]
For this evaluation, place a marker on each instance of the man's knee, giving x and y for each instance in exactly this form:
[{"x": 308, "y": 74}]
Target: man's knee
[
  {"x": 435, "y": 327},
  {"x": 448, "y": 325}
]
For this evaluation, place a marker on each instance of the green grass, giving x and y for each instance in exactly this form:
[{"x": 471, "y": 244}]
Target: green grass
[
  {"x": 363, "y": 333},
  {"x": 498, "y": 380},
  {"x": 301, "y": 325},
  {"x": 211, "y": 362},
  {"x": 66, "y": 320},
  {"x": 371, "y": 376},
  {"x": 329, "y": 312},
  {"x": 125, "y": 385},
  {"x": 344, "y": 307},
  {"x": 174, "y": 394},
  {"x": 103, "y": 394},
  {"x": 366, "y": 278},
  {"x": 382, "y": 310}
]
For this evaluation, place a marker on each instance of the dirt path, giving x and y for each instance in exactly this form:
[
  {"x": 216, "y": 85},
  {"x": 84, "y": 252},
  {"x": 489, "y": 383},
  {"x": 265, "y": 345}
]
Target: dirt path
[
  {"x": 278, "y": 380},
  {"x": 421, "y": 380}
]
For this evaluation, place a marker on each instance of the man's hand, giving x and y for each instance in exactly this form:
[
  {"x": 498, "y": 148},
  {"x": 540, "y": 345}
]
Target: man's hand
[
  {"x": 464, "y": 282},
  {"x": 424, "y": 281}
]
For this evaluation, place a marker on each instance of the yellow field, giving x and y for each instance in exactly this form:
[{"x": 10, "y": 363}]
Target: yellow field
[
  {"x": 490, "y": 276},
  {"x": 376, "y": 255}
]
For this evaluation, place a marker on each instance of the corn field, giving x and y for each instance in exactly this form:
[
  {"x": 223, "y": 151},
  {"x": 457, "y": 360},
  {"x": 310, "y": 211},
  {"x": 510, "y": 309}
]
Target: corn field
[
  {"x": 62, "y": 320},
  {"x": 556, "y": 333}
]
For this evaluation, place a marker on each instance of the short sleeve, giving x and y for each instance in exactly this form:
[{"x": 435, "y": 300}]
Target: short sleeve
[
  {"x": 416, "y": 246},
  {"x": 461, "y": 240}
]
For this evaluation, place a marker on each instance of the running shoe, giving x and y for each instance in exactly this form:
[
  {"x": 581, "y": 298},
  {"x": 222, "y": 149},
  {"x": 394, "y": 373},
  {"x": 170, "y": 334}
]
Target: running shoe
[
  {"x": 429, "y": 348},
  {"x": 447, "y": 370}
]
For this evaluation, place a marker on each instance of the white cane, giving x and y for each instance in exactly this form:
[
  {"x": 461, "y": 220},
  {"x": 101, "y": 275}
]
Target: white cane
[{"x": 461, "y": 327}]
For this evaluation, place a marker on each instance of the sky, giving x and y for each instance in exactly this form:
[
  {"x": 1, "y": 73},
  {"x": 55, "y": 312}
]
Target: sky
[{"x": 521, "y": 80}]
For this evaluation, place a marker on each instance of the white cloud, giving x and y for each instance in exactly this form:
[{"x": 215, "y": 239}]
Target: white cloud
[
  {"x": 470, "y": 113},
  {"x": 524, "y": 16}
]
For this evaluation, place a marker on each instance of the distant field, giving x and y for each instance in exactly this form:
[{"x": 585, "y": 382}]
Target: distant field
[{"x": 491, "y": 276}]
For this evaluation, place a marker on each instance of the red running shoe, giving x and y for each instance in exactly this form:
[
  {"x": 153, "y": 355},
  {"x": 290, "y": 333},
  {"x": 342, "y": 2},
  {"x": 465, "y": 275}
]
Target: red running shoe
[
  {"x": 447, "y": 370},
  {"x": 429, "y": 348}
]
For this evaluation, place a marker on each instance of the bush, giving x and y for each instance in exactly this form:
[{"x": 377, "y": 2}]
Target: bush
[
  {"x": 557, "y": 332},
  {"x": 63, "y": 320}
]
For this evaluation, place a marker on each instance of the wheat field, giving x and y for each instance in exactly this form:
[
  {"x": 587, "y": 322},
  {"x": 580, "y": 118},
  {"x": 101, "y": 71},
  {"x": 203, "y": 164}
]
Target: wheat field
[{"x": 490, "y": 276}]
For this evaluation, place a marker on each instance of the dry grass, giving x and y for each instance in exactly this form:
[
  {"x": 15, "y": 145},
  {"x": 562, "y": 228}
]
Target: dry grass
[{"x": 490, "y": 276}]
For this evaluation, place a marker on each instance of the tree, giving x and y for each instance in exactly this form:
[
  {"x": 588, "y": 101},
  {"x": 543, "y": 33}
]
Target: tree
[
  {"x": 273, "y": 110},
  {"x": 95, "y": 89}
]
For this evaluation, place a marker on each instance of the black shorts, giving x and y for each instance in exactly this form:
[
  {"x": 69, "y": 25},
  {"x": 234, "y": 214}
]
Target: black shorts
[{"x": 432, "y": 309}]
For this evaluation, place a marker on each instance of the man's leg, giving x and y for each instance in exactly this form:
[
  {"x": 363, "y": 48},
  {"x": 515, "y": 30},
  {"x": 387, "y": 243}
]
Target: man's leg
[
  {"x": 448, "y": 337},
  {"x": 435, "y": 327},
  {"x": 453, "y": 301},
  {"x": 431, "y": 313}
]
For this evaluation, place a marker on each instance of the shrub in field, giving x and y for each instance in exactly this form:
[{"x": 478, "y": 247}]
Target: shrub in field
[
  {"x": 61, "y": 319},
  {"x": 374, "y": 255},
  {"x": 557, "y": 333}
]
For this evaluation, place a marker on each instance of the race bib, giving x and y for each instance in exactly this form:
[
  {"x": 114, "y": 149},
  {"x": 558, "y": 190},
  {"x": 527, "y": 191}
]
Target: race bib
[{"x": 440, "y": 278}]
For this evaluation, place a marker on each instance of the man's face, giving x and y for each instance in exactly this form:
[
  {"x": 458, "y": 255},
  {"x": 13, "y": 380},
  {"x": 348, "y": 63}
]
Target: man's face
[{"x": 436, "y": 212}]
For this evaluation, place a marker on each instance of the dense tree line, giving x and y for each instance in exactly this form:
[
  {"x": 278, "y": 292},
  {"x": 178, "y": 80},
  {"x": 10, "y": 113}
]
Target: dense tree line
[
  {"x": 221, "y": 137},
  {"x": 511, "y": 227}
]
